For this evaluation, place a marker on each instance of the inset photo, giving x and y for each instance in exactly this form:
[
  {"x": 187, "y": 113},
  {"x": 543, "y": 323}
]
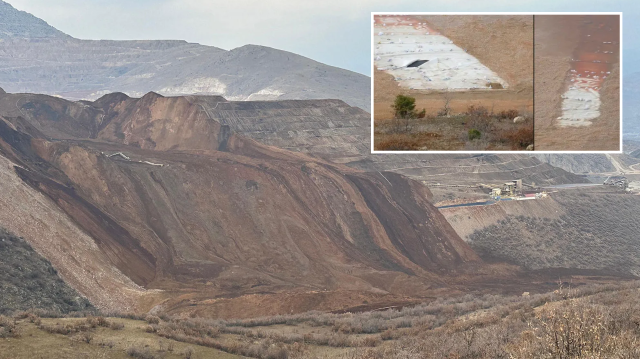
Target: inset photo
[
  {"x": 452, "y": 82},
  {"x": 577, "y": 82}
]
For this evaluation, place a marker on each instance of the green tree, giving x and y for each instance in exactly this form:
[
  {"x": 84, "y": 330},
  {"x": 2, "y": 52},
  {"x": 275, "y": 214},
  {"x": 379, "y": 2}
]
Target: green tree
[{"x": 404, "y": 108}]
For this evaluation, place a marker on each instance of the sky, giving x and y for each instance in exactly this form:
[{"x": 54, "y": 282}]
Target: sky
[{"x": 335, "y": 32}]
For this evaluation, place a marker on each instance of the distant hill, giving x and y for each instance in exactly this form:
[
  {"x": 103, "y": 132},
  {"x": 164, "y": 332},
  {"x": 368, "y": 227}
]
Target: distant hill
[
  {"x": 631, "y": 107},
  {"x": 16, "y": 24},
  {"x": 36, "y": 57}
]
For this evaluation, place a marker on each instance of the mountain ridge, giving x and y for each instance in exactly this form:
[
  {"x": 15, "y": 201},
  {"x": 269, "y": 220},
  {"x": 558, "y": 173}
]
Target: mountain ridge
[{"x": 50, "y": 62}]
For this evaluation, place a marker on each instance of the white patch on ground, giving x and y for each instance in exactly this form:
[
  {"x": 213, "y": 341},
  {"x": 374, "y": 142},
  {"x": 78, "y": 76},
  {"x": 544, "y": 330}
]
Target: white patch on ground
[
  {"x": 144, "y": 76},
  {"x": 580, "y": 103},
  {"x": 266, "y": 93},
  {"x": 449, "y": 66},
  {"x": 209, "y": 85}
]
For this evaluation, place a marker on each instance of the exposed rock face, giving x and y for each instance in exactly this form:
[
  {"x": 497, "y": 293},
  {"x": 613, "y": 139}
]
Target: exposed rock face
[
  {"x": 194, "y": 207},
  {"x": 631, "y": 110},
  {"x": 35, "y": 57}
]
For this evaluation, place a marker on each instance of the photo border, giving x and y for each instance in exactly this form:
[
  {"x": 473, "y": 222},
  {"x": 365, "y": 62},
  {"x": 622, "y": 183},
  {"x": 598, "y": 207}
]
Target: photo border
[{"x": 621, "y": 139}]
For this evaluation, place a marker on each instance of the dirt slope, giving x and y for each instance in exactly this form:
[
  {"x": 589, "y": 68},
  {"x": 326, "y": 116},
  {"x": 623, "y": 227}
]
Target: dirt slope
[{"x": 190, "y": 207}]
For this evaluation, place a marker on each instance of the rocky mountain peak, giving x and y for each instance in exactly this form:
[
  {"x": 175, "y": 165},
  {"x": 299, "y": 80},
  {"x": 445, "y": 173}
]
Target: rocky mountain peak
[{"x": 19, "y": 24}]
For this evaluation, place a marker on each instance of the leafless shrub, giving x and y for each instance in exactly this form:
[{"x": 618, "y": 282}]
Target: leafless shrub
[
  {"x": 8, "y": 327},
  {"x": 152, "y": 319},
  {"x": 188, "y": 353},
  {"x": 141, "y": 353},
  {"x": 116, "y": 326}
]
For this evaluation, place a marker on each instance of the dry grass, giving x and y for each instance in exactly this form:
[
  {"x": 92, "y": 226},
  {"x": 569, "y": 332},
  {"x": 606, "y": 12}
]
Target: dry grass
[
  {"x": 598, "y": 321},
  {"x": 452, "y": 133}
]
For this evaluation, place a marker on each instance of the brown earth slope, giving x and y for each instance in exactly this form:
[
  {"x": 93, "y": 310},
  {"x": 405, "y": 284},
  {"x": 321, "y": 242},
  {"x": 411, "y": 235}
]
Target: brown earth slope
[{"x": 191, "y": 211}]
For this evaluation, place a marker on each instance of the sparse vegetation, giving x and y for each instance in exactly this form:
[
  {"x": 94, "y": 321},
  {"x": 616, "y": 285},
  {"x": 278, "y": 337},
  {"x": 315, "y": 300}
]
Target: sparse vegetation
[
  {"x": 474, "y": 134},
  {"x": 596, "y": 321},
  {"x": 476, "y": 129},
  {"x": 596, "y": 231},
  {"x": 141, "y": 353},
  {"x": 8, "y": 327},
  {"x": 404, "y": 108},
  {"x": 28, "y": 280}
]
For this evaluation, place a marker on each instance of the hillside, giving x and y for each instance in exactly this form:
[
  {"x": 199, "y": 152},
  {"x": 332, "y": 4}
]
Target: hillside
[
  {"x": 179, "y": 203},
  {"x": 334, "y": 131},
  {"x": 19, "y": 24},
  {"x": 631, "y": 111},
  {"x": 37, "y": 58},
  {"x": 579, "y": 228},
  {"x": 29, "y": 281}
]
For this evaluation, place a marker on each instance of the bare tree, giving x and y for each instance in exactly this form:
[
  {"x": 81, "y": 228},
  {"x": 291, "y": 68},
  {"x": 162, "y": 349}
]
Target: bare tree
[{"x": 446, "y": 109}]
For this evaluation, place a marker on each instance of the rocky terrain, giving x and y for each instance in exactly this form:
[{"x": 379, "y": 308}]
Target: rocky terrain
[
  {"x": 20, "y": 24},
  {"x": 27, "y": 280},
  {"x": 35, "y": 57}
]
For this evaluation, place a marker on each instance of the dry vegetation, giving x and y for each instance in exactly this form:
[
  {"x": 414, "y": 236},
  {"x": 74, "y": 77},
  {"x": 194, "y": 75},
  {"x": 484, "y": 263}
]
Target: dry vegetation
[
  {"x": 597, "y": 321},
  {"x": 476, "y": 129},
  {"x": 598, "y": 231}
]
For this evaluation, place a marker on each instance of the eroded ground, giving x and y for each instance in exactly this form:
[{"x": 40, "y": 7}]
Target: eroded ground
[{"x": 592, "y": 122}]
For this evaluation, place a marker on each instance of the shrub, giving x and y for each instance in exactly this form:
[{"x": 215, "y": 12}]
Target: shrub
[
  {"x": 8, "y": 328},
  {"x": 86, "y": 337},
  {"x": 152, "y": 319},
  {"x": 508, "y": 114},
  {"x": 117, "y": 326},
  {"x": 474, "y": 134},
  {"x": 188, "y": 353},
  {"x": 142, "y": 353},
  {"x": 404, "y": 106},
  {"x": 520, "y": 138}
]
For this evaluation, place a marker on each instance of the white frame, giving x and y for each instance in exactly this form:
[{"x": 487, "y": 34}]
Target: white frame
[{"x": 373, "y": 151}]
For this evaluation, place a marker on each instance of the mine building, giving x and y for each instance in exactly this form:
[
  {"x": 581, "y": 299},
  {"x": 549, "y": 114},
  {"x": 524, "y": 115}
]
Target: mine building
[{"x": 617, "y": 181}]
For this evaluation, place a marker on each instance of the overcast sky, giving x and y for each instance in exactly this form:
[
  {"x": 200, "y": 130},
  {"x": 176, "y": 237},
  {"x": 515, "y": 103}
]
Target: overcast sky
[{"x": 335, "y": 32}]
